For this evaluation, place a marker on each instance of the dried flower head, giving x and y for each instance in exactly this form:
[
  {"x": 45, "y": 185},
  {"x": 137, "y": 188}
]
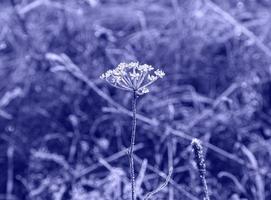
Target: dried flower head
[
  {"x": 199, "y": 158},
  {"x": 198, "y": 153},
  {"x": 132, "y": 77}
]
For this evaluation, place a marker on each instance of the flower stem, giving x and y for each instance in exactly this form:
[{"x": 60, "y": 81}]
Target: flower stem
[{"x": 132, "y": 169}]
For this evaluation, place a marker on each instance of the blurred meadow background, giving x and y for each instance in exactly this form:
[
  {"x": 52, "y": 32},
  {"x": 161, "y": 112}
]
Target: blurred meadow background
[{"x": 64, "y": 132}]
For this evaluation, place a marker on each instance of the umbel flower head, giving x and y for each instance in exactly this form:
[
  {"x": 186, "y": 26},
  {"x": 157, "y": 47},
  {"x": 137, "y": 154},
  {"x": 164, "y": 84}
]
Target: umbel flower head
[{"x": 133, "y": 77}]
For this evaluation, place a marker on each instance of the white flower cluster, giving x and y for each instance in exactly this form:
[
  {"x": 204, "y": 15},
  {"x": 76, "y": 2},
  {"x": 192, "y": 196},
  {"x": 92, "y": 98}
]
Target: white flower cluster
[{"x": 133, "y": 77}]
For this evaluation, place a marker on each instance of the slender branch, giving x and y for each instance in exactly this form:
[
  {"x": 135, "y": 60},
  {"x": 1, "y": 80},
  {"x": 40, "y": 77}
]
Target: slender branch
[
  {"x": 171, "y": 164},
  {"x": 160, "y": 187},
  {"x": 132, "y": 169}
]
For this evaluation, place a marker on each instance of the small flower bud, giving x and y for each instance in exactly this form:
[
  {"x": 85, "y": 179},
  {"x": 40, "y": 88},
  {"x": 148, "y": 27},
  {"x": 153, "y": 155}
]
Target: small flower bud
[{"x": 199, "y": 158}]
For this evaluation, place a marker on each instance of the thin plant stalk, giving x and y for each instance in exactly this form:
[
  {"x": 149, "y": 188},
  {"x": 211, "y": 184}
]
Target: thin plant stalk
[
  {"x": 132, "y": 168},
  {"x": 161, "y": 187}
]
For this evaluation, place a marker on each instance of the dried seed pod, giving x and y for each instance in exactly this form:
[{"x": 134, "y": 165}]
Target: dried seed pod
[{"x": 199, "y": 158}]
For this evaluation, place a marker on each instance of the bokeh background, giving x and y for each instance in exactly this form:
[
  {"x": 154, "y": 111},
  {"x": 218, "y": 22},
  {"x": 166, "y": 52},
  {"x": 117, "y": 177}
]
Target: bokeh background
[{"x": 64, "y": 132}]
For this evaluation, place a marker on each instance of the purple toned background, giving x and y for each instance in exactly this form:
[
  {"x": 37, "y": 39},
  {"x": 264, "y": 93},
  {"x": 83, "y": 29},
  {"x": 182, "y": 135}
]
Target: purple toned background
[{"x": 64, "y": 132}]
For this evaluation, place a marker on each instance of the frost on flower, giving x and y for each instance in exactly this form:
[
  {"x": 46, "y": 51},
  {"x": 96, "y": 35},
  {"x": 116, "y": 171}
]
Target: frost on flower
[
  {"x": 133, "y": 77},
  {"x": 159, "y": 73},
  {"x": 198, "y": 153}
]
